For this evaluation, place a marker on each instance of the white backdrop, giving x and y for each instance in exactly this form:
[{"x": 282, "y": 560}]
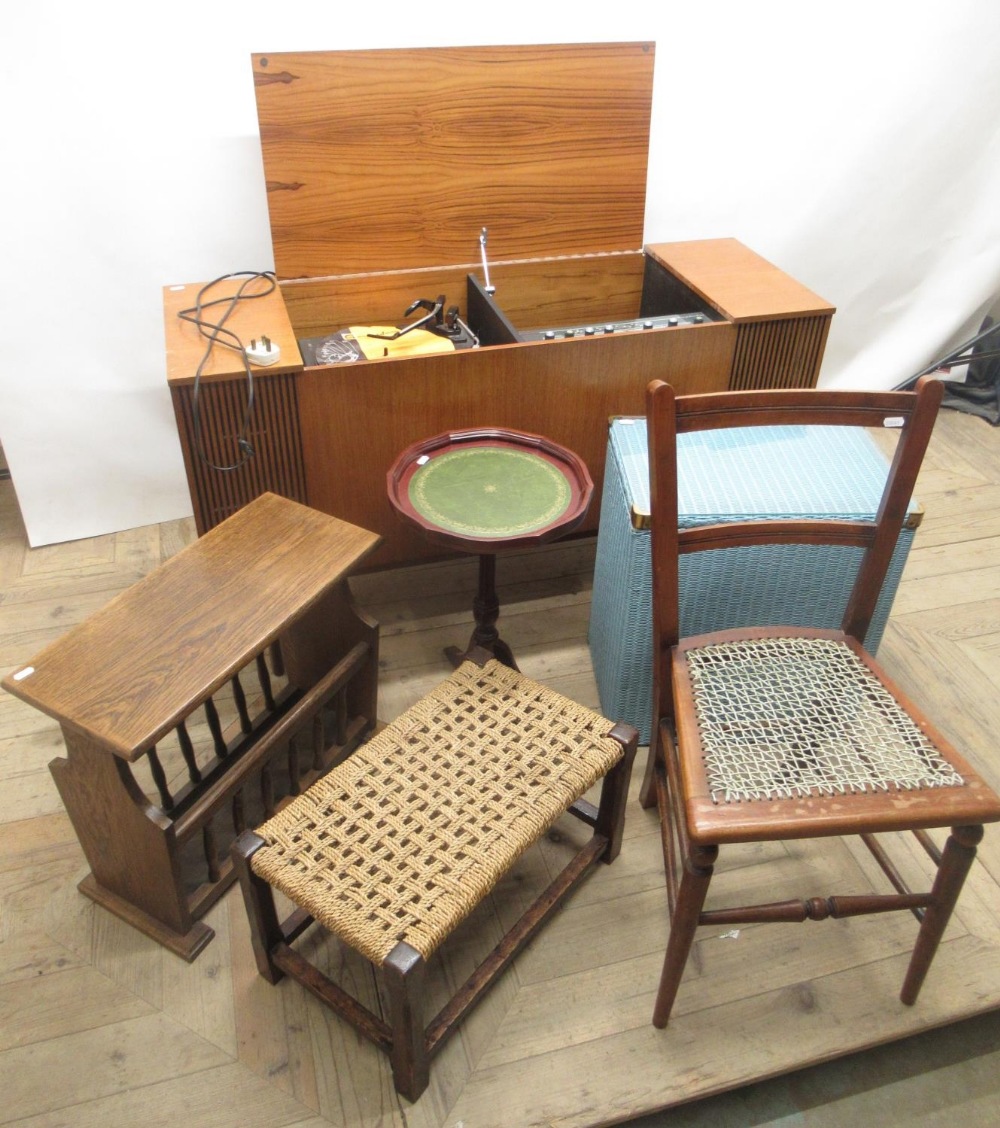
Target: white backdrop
[{"x": 856, "y": 145}]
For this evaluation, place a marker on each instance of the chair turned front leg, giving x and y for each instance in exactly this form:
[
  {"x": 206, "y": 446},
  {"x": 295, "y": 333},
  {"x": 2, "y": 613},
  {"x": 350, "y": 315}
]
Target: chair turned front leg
[
  {"x": 403, "y": 975},
  {"x": 956, "y": 861},
  {"x": 698, "y": 868}
]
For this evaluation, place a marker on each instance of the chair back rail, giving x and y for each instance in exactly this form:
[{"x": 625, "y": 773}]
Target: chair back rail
[{"x": 910, "y": 414}]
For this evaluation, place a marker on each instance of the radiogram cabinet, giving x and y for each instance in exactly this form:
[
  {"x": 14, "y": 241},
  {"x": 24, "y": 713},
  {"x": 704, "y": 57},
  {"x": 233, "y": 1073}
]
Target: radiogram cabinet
[{"x": 502, "y": 184}]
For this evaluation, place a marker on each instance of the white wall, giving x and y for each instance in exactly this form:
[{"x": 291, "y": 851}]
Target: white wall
[{"x": 855, "y": 145}]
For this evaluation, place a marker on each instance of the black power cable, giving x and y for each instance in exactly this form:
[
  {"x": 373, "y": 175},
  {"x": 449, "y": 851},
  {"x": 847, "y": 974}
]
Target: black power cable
[{"x": 215, "y": 332}]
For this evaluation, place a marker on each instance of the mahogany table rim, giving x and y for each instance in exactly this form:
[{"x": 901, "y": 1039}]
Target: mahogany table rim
[{"x": 581, "y": 485}]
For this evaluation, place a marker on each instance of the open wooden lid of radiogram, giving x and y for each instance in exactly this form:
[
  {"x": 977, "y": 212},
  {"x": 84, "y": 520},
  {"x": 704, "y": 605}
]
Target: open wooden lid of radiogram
[{"x": 382, "y": 160}]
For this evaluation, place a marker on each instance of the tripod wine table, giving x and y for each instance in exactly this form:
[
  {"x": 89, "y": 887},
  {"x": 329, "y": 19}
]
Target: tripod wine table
[{"x": 486, "y": 491}]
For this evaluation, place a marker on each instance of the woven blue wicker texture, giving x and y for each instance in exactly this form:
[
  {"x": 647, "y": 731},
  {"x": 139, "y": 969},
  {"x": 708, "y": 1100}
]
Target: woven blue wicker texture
[{"x": 765, "y": 471}]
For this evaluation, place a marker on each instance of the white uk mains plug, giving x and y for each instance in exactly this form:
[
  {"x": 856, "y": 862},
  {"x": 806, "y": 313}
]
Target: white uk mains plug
[{"x": 263, "y": 351}]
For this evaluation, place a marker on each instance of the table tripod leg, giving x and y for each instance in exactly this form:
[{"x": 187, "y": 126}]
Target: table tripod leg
[{"x": 486, "y": 611}]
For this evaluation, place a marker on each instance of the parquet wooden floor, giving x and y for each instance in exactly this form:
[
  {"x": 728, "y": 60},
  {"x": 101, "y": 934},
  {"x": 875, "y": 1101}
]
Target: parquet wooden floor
[{"x": 99, "y": 1026}]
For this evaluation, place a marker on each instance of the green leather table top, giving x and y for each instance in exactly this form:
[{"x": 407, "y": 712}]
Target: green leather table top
[{"x": 490, "y": 491}]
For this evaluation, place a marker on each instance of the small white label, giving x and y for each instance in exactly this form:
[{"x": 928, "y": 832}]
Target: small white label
[
  {"x": 25, "y": 673},
  {"x": 893, "y": 421},
  {"x": 176, "y": 288},
  {"x": 423, "y": 458}
]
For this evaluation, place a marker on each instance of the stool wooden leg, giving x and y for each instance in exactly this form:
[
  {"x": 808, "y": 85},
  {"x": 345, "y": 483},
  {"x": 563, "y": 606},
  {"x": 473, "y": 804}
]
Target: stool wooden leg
[
  {"x": 647, "y": 793},
  {"x": 403, "y": 975},
  {"x": 956, "y": 861},
  {"x": 614, "y": 793},
  {"x": 265, "y": 929}
]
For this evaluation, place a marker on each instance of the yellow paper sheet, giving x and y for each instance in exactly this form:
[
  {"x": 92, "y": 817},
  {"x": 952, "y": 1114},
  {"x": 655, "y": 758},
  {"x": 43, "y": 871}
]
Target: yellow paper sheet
[{"x": 417, "y": 342}]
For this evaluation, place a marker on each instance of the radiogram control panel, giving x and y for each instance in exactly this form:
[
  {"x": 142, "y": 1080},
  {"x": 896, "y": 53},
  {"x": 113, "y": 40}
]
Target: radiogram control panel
[{"x": 602, "y": 329}]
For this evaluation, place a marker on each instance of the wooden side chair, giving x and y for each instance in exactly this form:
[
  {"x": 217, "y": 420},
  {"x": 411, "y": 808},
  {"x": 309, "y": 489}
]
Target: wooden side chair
[
  {"x": 397, "y": 845},
  {"x": 784, "y": 733}
]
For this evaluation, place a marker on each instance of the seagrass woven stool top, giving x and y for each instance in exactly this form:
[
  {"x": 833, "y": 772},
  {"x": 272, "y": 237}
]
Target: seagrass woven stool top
[
  {"x": 791, "y": 717},
  {"x": 407, "y": 836}
]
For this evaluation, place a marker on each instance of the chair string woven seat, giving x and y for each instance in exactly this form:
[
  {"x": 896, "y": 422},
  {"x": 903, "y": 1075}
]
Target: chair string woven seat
[
  {"x": 759, "y": 742},
  {"x": 404, "y": 839},
  {"x": 398, "y": 844}
]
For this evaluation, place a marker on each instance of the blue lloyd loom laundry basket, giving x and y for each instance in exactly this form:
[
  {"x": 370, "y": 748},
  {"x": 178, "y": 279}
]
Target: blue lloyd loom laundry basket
[{"x": 764, "y": 471}]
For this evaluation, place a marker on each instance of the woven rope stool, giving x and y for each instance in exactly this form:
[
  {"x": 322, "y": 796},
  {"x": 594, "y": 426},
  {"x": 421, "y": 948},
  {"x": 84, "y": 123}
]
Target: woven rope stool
[{"x": 397, "y": 845}]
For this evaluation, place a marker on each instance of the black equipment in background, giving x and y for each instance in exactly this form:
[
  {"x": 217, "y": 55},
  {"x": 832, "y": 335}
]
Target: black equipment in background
[{"x": 979, "y": 393}]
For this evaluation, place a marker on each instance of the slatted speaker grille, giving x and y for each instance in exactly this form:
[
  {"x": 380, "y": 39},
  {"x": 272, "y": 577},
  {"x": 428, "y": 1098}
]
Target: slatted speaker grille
[
  {"x": 273, "y": 432},
  {"x": 779, "y": 354}
]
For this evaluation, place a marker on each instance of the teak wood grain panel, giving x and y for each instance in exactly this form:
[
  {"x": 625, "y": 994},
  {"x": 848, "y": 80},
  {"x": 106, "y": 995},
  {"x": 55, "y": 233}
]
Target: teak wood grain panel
[
  {"x": 586, "y": 288},
  {"x": 396, "y": 159},
  {"x": 737, "y": 281},
  {"x": 359, "y": 417},
  {"x": 532, "y": 293},
  {"x": 782, "y": 326}
]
